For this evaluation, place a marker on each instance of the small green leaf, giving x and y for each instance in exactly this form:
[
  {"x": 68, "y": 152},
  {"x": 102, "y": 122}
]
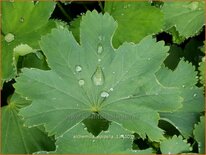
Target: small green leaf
[
  {"x": 135, "y": 19},
  {"x": 174, "y": 145},
  {"x": 22, "y": 23},
  {"x": 187, "y": 17},
  {"x": 114, "y": 140},
  {"x": 184, "y": 77},
  {"x": 199, "y": 134},
  {"x": 18, "y": 139}
]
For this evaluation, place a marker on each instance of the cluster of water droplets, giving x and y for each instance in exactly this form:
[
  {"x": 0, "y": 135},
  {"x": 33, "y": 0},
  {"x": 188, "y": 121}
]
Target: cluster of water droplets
[{"x": 78, "y": 69}]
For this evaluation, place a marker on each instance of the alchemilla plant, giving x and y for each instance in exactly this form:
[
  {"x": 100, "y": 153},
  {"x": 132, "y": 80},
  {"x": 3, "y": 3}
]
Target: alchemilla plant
[{"x": 123, "y": 77}]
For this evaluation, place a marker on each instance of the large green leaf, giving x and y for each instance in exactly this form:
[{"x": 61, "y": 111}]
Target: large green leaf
[
  {"x": 119, "y": 84},
  {"x": 199, "y": 134},
  {"x": 184, "y": 77},
  {"x": 187, "y": 17},
  {"x": 114, "y": 140},
  {"x": 174, "y": 145},
  {"x": 135, "y": 19},
  {"x": 18, "y": 139},
  {"x": 22, "y": 23}
]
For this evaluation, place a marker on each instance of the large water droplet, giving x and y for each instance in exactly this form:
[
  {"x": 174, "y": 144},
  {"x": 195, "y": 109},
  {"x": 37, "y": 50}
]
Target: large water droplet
[
  {"x": 100, "y": 49},
  {"x": 21, "y": 19},
  {"x": 9, "y": 37},
  {"x": 195, "y": 95},
  {"x": 104, "y": 94},
  {"x": 98, "y": 77},
  {"x": 78, "y": 68},
  {"x": 81, "y": 82},
  {"x": 99, "y": 60}
]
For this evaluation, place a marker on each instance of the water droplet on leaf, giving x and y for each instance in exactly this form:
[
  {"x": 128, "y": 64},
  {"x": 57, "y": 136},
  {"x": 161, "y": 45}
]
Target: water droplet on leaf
[
  {"x": 99, "y": 60},
  {"x": 98, "y": 77},
  {"x": 100, "y": 49},
  {"x": 122, "y": 14},
  {"x": 100, "y": 38},
  {"x": 9, "y": 37},
  {"x": 78, "y": 68},
  {"x": 81, "y": 82},
  {"x": 21, "y": 20},
  {"x": 195, "y": 95},
  {"x": 183, "y": 86},
  {"x": 111, "y": 89},
  {"x": 121, "y": 136},
  {"x": 104, "y": 94}
]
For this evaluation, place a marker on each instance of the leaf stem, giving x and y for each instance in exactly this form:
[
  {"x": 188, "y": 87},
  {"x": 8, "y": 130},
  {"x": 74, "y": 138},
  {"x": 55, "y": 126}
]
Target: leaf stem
[
  {"x": 101, "y": 6},
  {"x": 63, "y": 11}
]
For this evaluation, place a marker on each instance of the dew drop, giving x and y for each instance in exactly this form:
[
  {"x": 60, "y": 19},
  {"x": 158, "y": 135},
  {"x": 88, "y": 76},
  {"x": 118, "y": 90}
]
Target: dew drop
[
  {"x": 104, "y": 94},
  {"x": 85, "y": 128},
  {"x": 93, "y": 141},
  {"x": 9, "y": 37},
  {"x": 113, "y": 72},
  {"x": 78, "y": 68},
  {"x": 81, "y": 82},
  {"x": 195, "y": 95},
  {"x": 100, "y": 49},
  {"x": 128, "y": 5},
  {"x": 99, "y": 60},
  {"x": 111, "y": 89},
  {"x": 121, "y": 136},
  {"x": 21, "y": 19},
  {"x": 100, "y": 38},
  {"x": 98, "y": 77},
  {"x": 183, "y": 86},
  {"x": 122, "y": 14}
]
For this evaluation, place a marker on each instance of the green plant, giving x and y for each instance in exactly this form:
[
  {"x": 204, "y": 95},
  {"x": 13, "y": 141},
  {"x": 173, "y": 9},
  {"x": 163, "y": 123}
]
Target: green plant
[{"x": 100, "y": 85}]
